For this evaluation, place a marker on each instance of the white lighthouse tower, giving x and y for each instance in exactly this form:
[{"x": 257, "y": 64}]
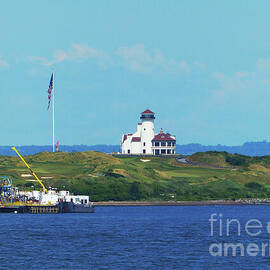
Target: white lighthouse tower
[
  {"x": 147, "y": 131},
  {"x": 140, "y": 142}
]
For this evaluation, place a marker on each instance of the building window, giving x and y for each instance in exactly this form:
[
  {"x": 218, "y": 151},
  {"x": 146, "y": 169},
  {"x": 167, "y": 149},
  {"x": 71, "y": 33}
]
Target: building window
[
  {"x": 144, "y": 151},
  {"x": 163, "y": 151},
  {"x": 128, "y": 151},
  {"x": 163, "y": 143},
  {"x": 169, "y": 143},
  {"x": 144, "y": 129},
  {"x": 172, "y": 151},
  {"x": 169, "y": 151},
  {"x": 156, "y": 143},
  {"x": 156, "y": 152},
  {"x": 173, "y": 144},
  {"x": 144, "y": 144}
]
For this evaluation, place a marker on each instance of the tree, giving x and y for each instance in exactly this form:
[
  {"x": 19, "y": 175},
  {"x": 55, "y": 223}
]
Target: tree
[{"x": 134, "y": 191}]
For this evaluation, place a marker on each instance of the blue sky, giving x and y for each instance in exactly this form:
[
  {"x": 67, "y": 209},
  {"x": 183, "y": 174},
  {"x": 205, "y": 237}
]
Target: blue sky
[{"x": 202, "y": 66}]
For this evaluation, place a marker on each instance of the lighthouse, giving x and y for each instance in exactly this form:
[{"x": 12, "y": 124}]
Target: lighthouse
[
  {"x": 147, "y": 131},
  {"x": 145, "y": 142}
]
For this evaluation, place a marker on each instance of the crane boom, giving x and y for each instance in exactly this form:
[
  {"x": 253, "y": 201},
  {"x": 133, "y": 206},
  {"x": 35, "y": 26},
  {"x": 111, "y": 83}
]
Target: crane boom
[{"x": 33, "y": 173}]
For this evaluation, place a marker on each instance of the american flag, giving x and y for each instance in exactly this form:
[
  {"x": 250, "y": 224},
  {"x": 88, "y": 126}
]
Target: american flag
[{"x": 50, "y": 91}]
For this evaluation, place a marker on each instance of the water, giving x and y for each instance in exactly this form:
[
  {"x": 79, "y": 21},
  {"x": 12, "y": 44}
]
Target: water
[{"x": 129, "y": 238}]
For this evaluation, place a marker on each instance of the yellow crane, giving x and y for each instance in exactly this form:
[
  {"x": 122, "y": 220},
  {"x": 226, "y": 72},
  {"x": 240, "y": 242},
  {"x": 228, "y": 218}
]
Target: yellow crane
[{"x": 33, "y": 173}]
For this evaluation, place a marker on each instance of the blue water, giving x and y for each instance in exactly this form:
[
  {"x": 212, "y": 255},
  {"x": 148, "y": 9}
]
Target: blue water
[{"x": 129, "y": 238}]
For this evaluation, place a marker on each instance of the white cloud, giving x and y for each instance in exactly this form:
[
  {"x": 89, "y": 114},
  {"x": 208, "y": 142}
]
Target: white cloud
[
  {"x": 78, "y": 52},
  {"x": 138, "y": 58},
  {"x": 266, "y": 81},
  {"x": 136, "y": 52},
  {"x": 242, "y": 87},
  {"x": 3, "y": 63},
  {"x": 41, "y": 60},
  {"x": 236, "y": 83},
  {"x": 135, "y": 58},
  {"x": 263, "y": 64},
  {"x": 219, "y": 95},
  {"x": 219, "y": 76},
  {"x": 200, "y": 65},
  {"x": 241, "y": 74}
]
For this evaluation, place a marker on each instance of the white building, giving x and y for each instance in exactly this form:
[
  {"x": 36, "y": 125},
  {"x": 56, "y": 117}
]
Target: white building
[
  {"x": 53, "y": 197},
  {"x": 163, "y": 144},
  {"x": 144, "y": 141}
]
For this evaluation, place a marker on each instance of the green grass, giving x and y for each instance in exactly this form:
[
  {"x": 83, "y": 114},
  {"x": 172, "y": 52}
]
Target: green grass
[{"x": 105, "y": 177}]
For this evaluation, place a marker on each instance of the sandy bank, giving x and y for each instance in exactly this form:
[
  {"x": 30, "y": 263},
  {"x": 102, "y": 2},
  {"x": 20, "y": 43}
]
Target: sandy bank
[{"x": 178, "y": 203}]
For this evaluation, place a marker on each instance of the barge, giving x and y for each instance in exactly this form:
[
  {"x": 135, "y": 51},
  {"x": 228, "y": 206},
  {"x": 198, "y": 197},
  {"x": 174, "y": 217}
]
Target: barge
[
  {"x": 60, "y": 208},
  {"x": 40, "y": 202}
]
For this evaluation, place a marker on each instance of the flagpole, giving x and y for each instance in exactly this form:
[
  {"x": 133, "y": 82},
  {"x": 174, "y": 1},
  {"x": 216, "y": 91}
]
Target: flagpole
[{"x": 53, "y": 113}]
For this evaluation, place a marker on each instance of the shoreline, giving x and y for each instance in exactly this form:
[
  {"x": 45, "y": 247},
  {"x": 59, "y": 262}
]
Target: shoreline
[{"x": 181, "y": 203}]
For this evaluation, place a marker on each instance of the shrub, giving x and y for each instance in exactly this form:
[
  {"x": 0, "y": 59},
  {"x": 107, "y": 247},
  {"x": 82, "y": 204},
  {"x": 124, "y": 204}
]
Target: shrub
[
  {"x": 253, "y": 185},
  {"x": 237, "y": 160}
]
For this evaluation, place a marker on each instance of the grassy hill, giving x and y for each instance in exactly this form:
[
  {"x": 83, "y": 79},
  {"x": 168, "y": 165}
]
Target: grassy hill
[{"x": 105, "y": 177}]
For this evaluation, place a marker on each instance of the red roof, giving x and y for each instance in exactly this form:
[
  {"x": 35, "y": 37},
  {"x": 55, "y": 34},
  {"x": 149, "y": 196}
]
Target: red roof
[
  {"x": 136, "y": 139},
  {"x": 163, "y": 137},
  {"x": 125, "y": 137},
  {"x": 148, "y": 111}
]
